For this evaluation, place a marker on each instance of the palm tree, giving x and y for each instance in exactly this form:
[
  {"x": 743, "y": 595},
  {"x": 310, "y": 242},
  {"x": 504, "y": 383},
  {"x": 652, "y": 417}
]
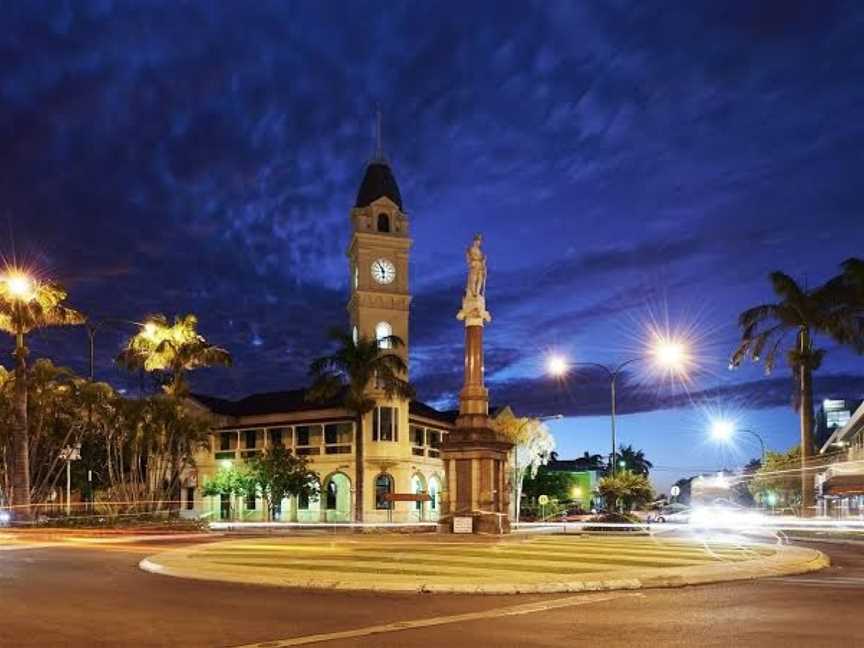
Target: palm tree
[
  {"x": 847, "y": 291},
  {"x": 765, "y": 334},
  {"x": 634, "y": 460},
  {"x": 173, "y": 348},
  {"x": 351, "y": 374},
  {"x": 27, "y": 304}
]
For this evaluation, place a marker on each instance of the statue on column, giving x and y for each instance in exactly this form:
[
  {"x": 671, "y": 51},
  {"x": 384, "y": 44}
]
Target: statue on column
[
  {"x": 476, "y": 269},
  {"x": 474, "y": 311}
]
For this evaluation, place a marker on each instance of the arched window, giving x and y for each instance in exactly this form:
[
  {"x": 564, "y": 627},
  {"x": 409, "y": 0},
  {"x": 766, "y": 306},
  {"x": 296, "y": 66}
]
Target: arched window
[
  {"x": 331, "y": 494},
  {"x": 383, "y": 486},
  {"x": 434, "y": 489},
  {"x": 383, "y": 223},
  {"x": 418, "y": 487},
  {"x": 383, "y": 331}
]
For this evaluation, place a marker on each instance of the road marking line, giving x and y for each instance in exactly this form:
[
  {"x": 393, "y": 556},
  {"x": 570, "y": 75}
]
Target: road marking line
[
  {"x": 396, "y": 626},
  {"x": 26, "y": 546}
]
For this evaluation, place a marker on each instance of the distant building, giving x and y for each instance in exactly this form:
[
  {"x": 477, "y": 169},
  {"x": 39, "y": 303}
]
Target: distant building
[
  {"x": 586, "y": 472},
  {"x": 840, "y": 486},
  {"x": 832, "y": 413}
]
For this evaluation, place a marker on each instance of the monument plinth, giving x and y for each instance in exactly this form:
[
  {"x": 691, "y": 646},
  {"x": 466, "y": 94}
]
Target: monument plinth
[{"x": 474, "y": 455}]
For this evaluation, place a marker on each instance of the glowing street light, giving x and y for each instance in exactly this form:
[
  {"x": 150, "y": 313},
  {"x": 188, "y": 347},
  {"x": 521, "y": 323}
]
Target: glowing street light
[
  {"x": 20, "y": 285},
  {"x": 557, "y": 365},
  {"x": 666, "y": 353},
  {"x": 671, "y": 355},
  {"x": 722, "y": 430}
]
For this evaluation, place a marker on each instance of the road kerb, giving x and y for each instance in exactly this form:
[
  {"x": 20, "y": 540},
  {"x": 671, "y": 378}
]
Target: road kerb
[{"x": 785, "y": 561}]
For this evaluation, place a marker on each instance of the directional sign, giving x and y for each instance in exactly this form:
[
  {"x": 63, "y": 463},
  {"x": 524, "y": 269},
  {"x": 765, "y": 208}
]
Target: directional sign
[
  {"x": 675, "y": 491},
  {"x": 543, "y": 500}
]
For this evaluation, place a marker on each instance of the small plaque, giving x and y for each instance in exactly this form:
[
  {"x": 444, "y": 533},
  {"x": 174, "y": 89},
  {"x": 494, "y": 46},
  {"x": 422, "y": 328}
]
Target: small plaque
[{"x": 463, "y": 525}]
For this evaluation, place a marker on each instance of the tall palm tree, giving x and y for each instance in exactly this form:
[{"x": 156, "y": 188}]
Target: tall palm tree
[
  {"x": 351, "y": 374},
  {"x": 634, "y": 460},
  {"x": 27, "y": 304},
  {"x": 173, "y": 348},
  {"x": 790, "y": 325}
]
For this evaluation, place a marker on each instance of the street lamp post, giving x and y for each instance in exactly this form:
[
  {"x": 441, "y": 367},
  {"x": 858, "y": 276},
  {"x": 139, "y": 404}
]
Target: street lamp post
[
  {"x": 668, "y": 353},
  {"x": 92, "y": 326}
]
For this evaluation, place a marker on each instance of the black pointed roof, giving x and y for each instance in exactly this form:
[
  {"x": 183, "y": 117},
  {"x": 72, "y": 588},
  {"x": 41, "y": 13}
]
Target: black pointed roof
[{"x": 378, "y": 181}]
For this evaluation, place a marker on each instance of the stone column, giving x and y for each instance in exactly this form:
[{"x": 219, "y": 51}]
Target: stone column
[{"x": 475, "y": 457}]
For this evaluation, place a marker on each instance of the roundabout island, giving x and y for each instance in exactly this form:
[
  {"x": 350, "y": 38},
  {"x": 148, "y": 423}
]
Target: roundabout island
[{"x": 513, "y": 565}]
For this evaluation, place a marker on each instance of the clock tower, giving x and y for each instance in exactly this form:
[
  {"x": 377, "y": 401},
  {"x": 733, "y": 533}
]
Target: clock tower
[{"x": 378, "y": 257}]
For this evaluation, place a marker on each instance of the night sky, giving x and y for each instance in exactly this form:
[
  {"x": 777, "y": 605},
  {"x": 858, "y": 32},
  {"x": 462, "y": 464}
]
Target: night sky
[{"x": 630, "y": 165}]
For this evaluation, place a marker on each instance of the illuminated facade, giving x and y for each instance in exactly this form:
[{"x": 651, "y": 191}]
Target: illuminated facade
[
  {"x": 840, "y": 486},
  {"x": 401, "y": 438}
]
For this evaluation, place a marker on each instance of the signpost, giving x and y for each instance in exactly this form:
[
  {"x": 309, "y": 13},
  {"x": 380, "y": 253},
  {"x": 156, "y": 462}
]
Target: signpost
[
  {"x": 70, "y": 454},
  {"x": 543, "y": 500}
]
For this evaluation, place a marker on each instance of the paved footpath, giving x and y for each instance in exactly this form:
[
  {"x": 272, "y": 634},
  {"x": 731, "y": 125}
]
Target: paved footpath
[{"x": 450, "y": 564}]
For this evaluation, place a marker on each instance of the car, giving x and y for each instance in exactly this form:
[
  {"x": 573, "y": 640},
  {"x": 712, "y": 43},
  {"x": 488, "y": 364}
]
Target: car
[{"x": 676, "y": 513}]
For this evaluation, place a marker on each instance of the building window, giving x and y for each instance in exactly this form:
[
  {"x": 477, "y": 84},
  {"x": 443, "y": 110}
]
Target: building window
[
  {"x": 417, "y": 435},
  {"x": 418, "y": 488},
  {"x": 383, "y": 487},
  {"x": 433, "y": 493},
  {"x": 383, "y": 223},
  {"x": 338, "y": 438},
  {"x": 224, "y": 506},
  {"x": 303, "y": 501},
  {"x": 249, "y": 439},
  {"x": 276, "y": 437},
  {"x": 225, "y": 440},
  {"x": 308, "y": 435},
  {"x": 250, "y": 501},
  {"x": 355, "y": 335},
  {"x": 190, "y": 498},
  {"x": 383, "y": 332},
  {"x": 331, "y": 495},
  {"x": 385, "y": 424}
]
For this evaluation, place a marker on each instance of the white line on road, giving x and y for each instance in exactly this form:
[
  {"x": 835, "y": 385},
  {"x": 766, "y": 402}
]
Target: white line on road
[
  {"x": 513, "y": 610},
  {"x": 837, "y": 581}
]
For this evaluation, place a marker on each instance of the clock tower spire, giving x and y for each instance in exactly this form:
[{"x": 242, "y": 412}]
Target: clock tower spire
[{"x": 378, "y": 255}]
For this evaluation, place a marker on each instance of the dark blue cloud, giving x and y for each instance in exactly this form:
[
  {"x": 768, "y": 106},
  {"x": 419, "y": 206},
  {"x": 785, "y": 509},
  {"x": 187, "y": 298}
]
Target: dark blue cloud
[{"x": 621, "y": 158}]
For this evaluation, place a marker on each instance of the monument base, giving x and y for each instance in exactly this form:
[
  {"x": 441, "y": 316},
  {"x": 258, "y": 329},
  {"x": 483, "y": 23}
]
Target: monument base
[
  {"x": 481, "y": 523},
  {"x": 475, "y": 460}
]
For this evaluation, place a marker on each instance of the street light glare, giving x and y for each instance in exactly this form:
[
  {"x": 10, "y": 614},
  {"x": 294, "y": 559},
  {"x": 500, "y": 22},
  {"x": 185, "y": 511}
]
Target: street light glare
[
  {"x": 19, "y": 284},
  {"x": 722, "y": 430},
  {"x": 671, "y": 354},
  {"x": 556, "y": 365}
]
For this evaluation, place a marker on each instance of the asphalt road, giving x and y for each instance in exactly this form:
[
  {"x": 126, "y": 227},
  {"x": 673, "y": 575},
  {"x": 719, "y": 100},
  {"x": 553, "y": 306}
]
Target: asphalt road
[{"x": 94, "y": 595}]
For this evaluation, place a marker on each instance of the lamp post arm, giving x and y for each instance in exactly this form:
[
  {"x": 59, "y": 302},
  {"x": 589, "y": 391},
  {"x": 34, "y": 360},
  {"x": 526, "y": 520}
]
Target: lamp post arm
[{"x": 759, "y": 439}]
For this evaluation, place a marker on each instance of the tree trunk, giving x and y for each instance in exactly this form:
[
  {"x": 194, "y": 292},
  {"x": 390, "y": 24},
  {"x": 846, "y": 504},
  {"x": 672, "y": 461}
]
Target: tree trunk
[
  {"x": 20, "y": 440},
  {"x": 358, "y": 470},
  {"x": 808, "y": 501}
]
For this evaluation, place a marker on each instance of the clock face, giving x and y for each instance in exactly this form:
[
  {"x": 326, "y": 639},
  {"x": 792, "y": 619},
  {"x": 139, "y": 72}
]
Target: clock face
[{"x": 383, "y": 271}]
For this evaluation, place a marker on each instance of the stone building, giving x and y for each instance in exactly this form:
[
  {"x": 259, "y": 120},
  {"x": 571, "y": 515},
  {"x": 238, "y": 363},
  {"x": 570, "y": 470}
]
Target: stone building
[{"x": 402, "y": 439}]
